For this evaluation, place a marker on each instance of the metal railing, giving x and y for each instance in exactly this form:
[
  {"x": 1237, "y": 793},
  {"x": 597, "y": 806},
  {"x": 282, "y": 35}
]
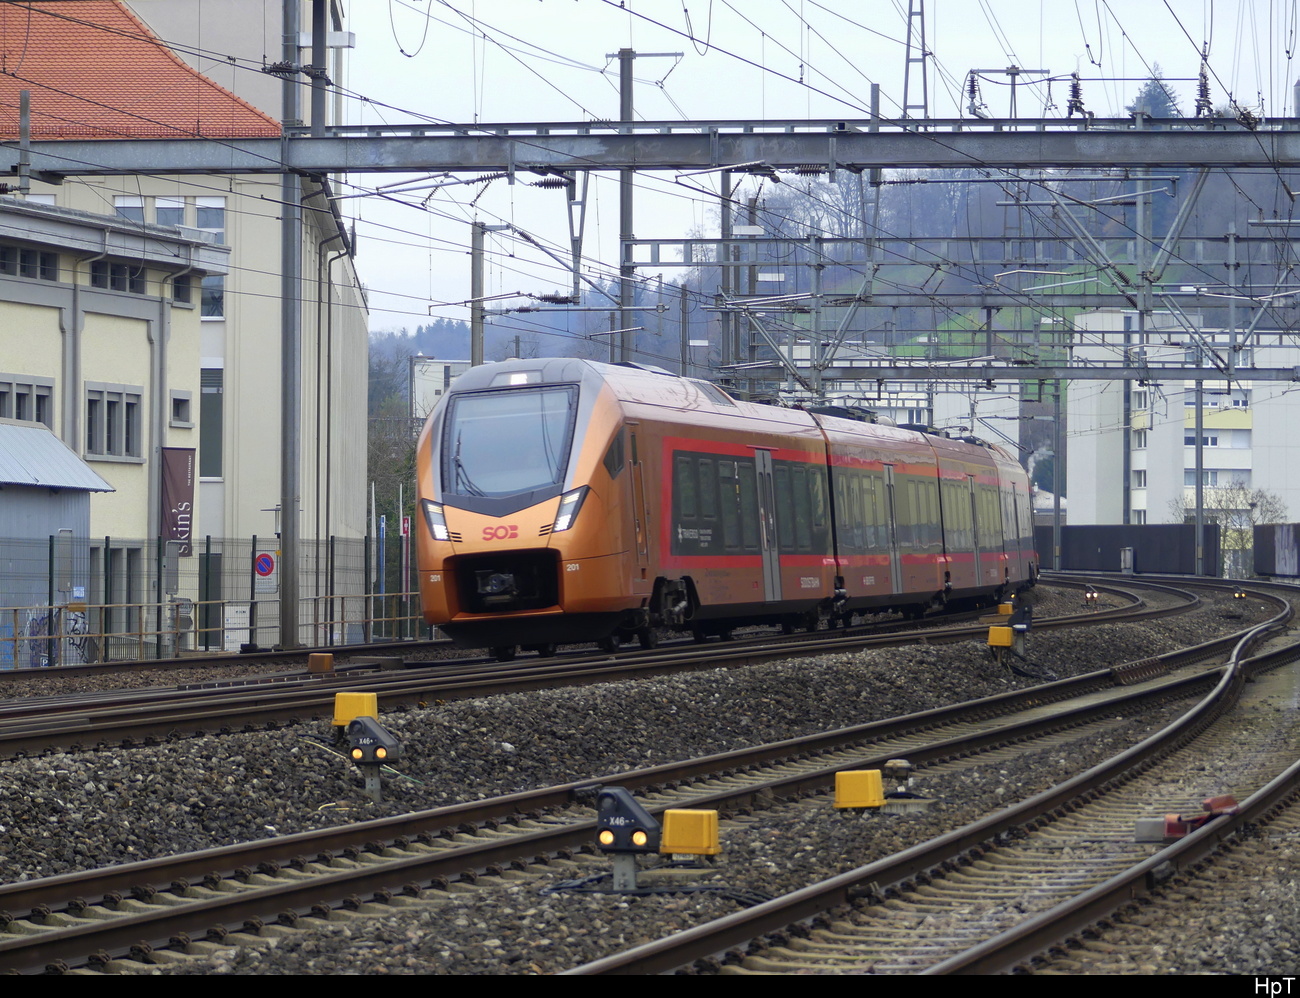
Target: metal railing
[
  {"x": 34, "y": 637},
  {"x": 77, "y": 600}
]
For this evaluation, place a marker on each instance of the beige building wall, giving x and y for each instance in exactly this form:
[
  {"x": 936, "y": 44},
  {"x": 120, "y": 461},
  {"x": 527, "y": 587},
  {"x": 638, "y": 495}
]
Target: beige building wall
[
  {"x": 244, "y": 344},
  {"x": 96, "y": 345}
]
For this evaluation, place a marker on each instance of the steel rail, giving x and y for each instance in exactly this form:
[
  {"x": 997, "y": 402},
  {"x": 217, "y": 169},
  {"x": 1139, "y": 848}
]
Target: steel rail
[
  {"x": 161, "y": 716},
  {"x": 347, "y": 654},
  {"x": 716, "y": 937},
  {"x": 145, "y": 880}
]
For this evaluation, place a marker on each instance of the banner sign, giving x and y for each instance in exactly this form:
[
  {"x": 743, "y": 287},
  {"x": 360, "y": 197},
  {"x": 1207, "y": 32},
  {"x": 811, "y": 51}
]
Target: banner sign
[{"x": 178, "y": 497}]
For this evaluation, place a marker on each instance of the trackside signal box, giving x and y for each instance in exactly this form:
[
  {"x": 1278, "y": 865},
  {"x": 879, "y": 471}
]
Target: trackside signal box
[
  {"x": 624, "y": 829},
  {"x": 348, "y": 706},
  {"x": 623, "y": 825},
  {"x": 372, "y": 746},
  {"x": 689, "y": 832},
  {"x": 859, "y": 788}
]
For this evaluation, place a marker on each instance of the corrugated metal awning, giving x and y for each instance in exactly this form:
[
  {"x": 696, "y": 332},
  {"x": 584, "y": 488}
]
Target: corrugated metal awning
[{"x": 31, "y": 455}]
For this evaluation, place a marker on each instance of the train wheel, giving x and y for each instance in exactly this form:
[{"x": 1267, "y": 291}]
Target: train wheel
[
  {"x": 545, "y": 651},
  {"x": 726, "y": 635},
  {"x": 648, "y": 637},
  {"x": 811, "y": 622},
  {"x": 699, "y": 636},
  {"x": 504, "y": 653},
  {"x": 609, "y": 644},
  {"x": 787, "y": 625}
]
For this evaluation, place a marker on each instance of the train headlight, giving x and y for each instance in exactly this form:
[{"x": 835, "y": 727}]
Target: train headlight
[
  {"x": 570, "y": 503},
  {"x": 434, "y": 518}
]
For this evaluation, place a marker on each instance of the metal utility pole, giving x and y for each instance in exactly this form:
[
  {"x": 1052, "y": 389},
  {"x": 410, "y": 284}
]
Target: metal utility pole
[
  {"x": 626, "y": 272},
  {"x": 915, "y": 37},
  {"x": 317, "y": 71},
  {"x": 290, "y": 346},
  {"x": 1058, "y": 477},
  {"x": 476, "y": 310},
  {"x": 686, "y": 334},
  {"x": 476, "y": 294},
  {"x": 626, "y": 268},
  {"x": 729, "y": 353}
]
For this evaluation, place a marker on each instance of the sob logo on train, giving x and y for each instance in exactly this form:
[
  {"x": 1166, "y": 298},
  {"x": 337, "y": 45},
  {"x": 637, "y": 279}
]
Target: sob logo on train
[{"x": 502, "y": 533}]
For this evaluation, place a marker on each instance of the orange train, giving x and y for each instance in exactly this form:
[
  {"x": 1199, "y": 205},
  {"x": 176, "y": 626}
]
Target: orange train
[{"x": 565, "y": 501}]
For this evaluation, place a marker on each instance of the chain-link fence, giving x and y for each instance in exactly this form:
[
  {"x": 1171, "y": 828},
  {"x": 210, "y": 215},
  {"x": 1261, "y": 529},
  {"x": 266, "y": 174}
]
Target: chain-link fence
[{"x": 66, "y": 600}]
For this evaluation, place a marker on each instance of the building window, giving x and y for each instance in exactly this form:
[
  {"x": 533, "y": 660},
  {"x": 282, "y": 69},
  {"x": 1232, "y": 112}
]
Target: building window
[
  {"x": 1139, "y": 516},
  {"x": 211, "y": 388},
  {"x": 28, "y": 399},
  {"x": 114, "y": 420},
  {"x": 169, "y": 211},
  {"x": 131, "y": 208},
  {"x": 117, "y": 276},
  {"x": 211, "y": 215},
  {"x": 1139, "y": 439},
  {"x": 213, "y": 304},
  {"x": 1140, "y": 400},
  {"x": 1207, "y": 440},
  {"x": 1139, "y": 479},
  {"x": 182, "y": 289},
  {"x": 19, "y": 261},
  {"x": 1208, "y": 478},
  {"x": 181, "y": 414}
]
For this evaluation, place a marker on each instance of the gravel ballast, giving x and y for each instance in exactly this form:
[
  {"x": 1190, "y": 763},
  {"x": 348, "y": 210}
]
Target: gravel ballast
[{"x": 75, "y": 811}]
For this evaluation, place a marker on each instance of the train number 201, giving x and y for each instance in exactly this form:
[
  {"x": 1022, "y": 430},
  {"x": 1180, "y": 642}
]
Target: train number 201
[{"x": 500, "y": 533}]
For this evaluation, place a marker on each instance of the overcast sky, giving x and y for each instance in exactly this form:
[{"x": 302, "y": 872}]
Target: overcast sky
[{"x": 549, "y": 60}]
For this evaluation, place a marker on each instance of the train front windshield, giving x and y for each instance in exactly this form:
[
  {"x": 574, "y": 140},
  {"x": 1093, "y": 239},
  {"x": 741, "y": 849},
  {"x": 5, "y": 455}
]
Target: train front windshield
[{"x": 503, "y": 443}]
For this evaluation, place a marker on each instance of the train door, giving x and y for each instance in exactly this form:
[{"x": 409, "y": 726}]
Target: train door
[
  {"x": 640, "y": 516},
  {"x": 891, "y": 525},
  {"x": 767, "y": 537}
]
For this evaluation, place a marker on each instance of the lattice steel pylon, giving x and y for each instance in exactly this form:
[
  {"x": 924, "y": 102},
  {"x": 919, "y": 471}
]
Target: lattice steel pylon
[{"x": 915, "y": 41}]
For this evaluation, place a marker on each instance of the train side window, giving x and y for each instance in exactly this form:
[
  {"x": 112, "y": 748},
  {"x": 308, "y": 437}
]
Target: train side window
[
  {"x": 817, "y": 490},
  {"x": 614, "y": 456},
  {"x": 748, "y": 481},
  {"x": 708, "y": 489},
  {"x": 729, "y": 501},
  {"x": 684, "y": 482},
  {"x": 929, "y": 489},
  {"x": 918, "y": 511},
  {"x": 907, "y": 517},
  {"x": 854, "y": 513},
  {"x": 784, "y": 508},
  {"x": 802, "y": 510},
  {"x": 872, "y": 532},
  {"x": 842, "y": 488}
]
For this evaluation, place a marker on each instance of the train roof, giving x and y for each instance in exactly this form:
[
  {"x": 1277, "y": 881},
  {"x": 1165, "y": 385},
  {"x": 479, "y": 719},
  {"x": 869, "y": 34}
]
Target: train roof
[{"x": 639, "y": 384}]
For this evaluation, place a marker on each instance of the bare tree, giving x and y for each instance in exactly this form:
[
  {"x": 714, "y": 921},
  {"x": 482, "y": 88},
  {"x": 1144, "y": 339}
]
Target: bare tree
[{"x": 1237, "y": 509}]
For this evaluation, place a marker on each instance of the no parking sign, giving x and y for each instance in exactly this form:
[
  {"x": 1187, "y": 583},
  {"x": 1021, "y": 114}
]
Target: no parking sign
[{"x": 266, "y": 572}]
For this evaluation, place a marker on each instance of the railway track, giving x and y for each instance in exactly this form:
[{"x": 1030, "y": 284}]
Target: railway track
[
  {"x": 196, "y": 897},
  {"x": 985, "y": 898},
  {"x": 152, "y": 716},
  {"x": 415, "y": 653}
]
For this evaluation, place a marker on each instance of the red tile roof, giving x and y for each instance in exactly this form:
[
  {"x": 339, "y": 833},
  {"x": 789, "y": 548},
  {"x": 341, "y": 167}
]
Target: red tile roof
[{"x": 95, "y": 72}]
